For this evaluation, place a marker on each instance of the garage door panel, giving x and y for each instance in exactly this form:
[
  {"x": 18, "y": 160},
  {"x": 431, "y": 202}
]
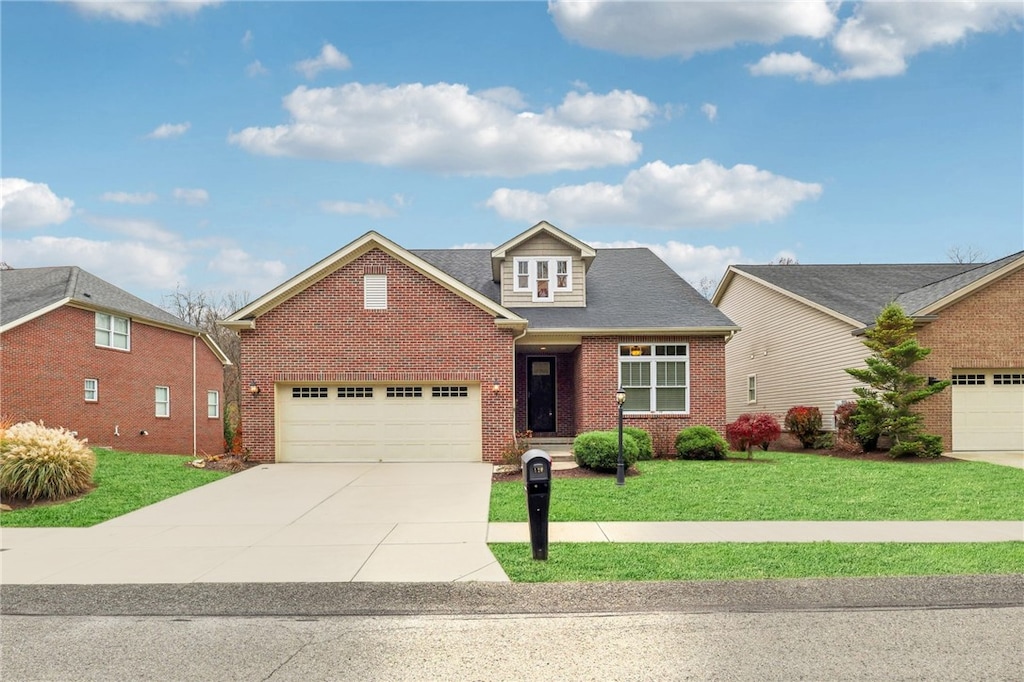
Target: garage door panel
[
  {"x": 408, "y": 423},
  {"x": 988, "y": 410}
]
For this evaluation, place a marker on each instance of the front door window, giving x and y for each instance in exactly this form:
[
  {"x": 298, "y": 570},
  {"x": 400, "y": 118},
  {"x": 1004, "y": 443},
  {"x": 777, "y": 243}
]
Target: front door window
[{"x": 540, "y": 399}]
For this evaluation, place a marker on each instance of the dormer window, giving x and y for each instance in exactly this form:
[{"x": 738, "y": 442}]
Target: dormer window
[{"x": 542, "y": 277}]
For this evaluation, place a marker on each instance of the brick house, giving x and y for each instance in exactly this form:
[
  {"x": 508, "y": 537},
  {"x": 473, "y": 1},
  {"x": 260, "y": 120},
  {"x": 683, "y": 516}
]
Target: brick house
[
  {"x": 382, "y": 353},
  {"x": 802, "y": 327},
  {"x": 80, "y": 353}
]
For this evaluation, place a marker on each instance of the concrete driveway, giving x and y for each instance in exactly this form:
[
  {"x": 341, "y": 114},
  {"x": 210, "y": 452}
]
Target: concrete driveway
[{"x": 281, "y": 523}]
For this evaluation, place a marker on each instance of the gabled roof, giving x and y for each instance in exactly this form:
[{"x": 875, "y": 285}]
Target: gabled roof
[
  {"x": 627, "y": 290},
  {"x": 245, "y": 318},
  {"x": 857, "y": 293},
  {"x": 499, "y": 254},
  {"x": 28, "y": 293}
]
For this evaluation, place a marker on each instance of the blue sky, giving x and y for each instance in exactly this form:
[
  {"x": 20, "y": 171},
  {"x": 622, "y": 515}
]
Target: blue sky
[{"x": 227, "y": 146}]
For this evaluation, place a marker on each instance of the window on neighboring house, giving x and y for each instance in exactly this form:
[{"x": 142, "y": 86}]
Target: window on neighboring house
[
  {"x": 112, "y": 331},
  {"x": 655, "y": 377},
  {"x": 163, "y": 401},
  {"x": 752, "y": 388},
  {"x": 375, "y": 292},
  {"x": 92, "y": 390},
  {"x": 213, "y": 404},
  {"x": 542, "y": 277}
]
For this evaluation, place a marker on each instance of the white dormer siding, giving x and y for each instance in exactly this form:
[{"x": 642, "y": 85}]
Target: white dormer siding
[{"x": 536, "y": 261}]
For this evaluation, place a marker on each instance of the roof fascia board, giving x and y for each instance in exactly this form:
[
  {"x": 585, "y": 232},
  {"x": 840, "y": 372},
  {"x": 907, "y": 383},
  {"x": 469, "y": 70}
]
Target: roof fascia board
[
  {"x": 213, "y": 346},
  {"x": 34, "y": 314},
  {"x": 801, "y": 299},
  {"x": 75, "y": 303},
  {"x": 586, "y": 251},
  {"x": 974, "y": 286},
  {"x": 636, "y": 331},
  {"x": 723, "y": 284},
  {"x": 346, "y": 254}
]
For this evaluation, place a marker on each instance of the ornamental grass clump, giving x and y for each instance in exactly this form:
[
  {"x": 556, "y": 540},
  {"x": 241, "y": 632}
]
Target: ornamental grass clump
[{"x": 39, "y": 463}]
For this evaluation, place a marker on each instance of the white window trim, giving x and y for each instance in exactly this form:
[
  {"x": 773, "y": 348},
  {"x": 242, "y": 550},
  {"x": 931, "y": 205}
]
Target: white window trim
[
  {"x": 95, "y": 390},
  {"x": 749, "y": 385},
  {"x": 110, "y": 330},
  {"x": 531, "y": 286},
  {"x": 165, "y": 403},
  {"x": 215, "y": 404},
  {"x": 653, "y": 359}
]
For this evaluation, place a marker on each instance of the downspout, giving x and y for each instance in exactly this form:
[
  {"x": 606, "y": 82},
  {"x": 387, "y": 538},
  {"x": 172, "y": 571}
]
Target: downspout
[
  {"x": 515, "y": 432},
  {"x": 194, "y": 396}
]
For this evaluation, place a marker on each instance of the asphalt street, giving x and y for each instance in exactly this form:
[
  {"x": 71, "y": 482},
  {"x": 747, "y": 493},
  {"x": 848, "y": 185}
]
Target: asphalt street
[{"x": 936, "y": 628}]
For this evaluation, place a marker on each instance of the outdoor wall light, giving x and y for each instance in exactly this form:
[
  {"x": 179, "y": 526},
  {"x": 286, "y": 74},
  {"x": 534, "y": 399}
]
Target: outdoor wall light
[
  {"x": 253, "y": 388},
  {"x": 496, "y": 387},
  {"x": 634, "y": 351}
]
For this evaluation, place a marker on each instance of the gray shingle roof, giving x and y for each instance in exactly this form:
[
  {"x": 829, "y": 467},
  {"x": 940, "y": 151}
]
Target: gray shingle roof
[
  {"x": 626, "y": 289},
  {"x": 24, "y": 291},
  {"x": 913, "y": 301}
]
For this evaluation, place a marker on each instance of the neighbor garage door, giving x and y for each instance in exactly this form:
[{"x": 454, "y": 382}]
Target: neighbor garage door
[
  {"x": 988, "y": 409},
  {"x": 409, "y": 422}
]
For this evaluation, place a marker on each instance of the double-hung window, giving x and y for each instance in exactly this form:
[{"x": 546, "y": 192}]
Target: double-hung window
[
  {"x": 163, "y": 401},
  {"x": 542, "y": 276},
  {"x": 213, "y": 404},
  {"x": 112, "y": 331},
  {"x": 752, "y": 388},
  {"x": 92, "y": 390},
  {"x": 655, "y": 377}
]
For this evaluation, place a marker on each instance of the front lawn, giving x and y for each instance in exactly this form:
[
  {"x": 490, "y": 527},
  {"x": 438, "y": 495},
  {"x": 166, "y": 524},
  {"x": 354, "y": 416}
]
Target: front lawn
[
  {"x": 780, "y": 486},
  {"x": 125, "y": 481},
  {"x": 597, "y": 562}
]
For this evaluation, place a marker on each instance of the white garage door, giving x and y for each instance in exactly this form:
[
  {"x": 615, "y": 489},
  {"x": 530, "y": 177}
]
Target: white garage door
[
  {"x": 409, "y": 422},
  {"x": 988, "y": 410}
]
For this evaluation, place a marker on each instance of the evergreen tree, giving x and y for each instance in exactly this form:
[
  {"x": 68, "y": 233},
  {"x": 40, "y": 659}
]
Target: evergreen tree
[{"x": 885, "y": 405}]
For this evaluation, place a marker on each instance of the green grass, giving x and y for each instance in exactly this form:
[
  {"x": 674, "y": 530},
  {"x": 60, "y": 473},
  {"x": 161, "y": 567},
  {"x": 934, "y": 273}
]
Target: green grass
[
  {"x": 594, "y": 562},
  {"x": 125, "y": 482},
  {"x": 782, "y": 486}
]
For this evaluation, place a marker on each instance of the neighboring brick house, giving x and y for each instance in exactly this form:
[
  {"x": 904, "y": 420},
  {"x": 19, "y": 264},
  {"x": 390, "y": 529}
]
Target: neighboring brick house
[
  {"x": 802, "y": 327},
  {"x": 381, "y": 353},
  {"x": 80, "y": 353}
]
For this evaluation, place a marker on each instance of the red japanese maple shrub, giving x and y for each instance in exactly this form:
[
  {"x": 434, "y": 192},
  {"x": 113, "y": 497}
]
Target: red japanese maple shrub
[{"x": 752, "y": 429}]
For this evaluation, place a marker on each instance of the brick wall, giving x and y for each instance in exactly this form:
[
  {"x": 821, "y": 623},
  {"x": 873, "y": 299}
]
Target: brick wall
[
  {"x": 983, "y": 331},
  {"x": 597, "y": 377},
  {"x": 46, "y": 361},
  {"x": 426, "y": 333}
]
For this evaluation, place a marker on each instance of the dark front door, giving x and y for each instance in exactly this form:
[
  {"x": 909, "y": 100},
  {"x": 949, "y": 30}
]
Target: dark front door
[{"x": 540, "y": 397}]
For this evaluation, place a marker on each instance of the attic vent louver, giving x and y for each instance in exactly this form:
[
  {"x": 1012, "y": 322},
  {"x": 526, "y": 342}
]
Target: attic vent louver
[{"x": 375, "y": 292}]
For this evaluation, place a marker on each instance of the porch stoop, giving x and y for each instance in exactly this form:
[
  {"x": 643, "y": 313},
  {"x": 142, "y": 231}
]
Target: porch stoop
[{"x": 560, "y": 449}]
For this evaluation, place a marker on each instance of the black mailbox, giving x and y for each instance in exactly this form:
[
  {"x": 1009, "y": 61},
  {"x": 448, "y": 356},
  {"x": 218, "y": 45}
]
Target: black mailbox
[{"x": 537, "y": 482}]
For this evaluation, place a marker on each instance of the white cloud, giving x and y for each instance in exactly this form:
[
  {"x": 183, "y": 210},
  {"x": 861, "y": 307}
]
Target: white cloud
[
  {"x": 169, "y": 130},
  {"x": 373, "y": 209},
  {"x": 446, "y": 128},
  {"x": 510, "y": 97},
  {"x": 138, "y": 198},
  {"x": 247, "y": 39},
  {"x": 660, "y": 29},
  {"x": 25, "y": 204},
  {"x": 475, "y": 245},
  {"x": 255, "y": 68},
  {"x": 709, "y": 110},
  {"x": 148, "y": 12},
  {"x": 135, "y": 228},
  {"x": 692, "y": 262},
  {"x": 242, "y": 272},
  {"x": 329, "y": 58},
  {"x": 125, "y": 263},
  {"x": 192, "y": 197},
  {"x": 657, "y": 195},
  {"x": 879, "y": 37}
]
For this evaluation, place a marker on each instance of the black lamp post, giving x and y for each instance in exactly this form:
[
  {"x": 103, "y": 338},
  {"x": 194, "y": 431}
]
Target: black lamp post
[{"x": 620, "y": 472}]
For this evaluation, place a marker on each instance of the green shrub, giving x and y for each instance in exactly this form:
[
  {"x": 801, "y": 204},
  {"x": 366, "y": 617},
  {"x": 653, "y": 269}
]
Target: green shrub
[
  {"x": 925, "y": 445},
  {"x": 40, "y": 463},
  {"x": 600, "y": 450},
  {"x": 701, "y": 442},
  {"x": 825, "y": 441},
  {"x": 643, "y": 442},
  {"x": 512, "y": 453},
  {"x": 804, "y": 422}
]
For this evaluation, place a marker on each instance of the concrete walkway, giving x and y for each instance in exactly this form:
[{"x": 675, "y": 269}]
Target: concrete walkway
[{"x": 1007, "y": 459}]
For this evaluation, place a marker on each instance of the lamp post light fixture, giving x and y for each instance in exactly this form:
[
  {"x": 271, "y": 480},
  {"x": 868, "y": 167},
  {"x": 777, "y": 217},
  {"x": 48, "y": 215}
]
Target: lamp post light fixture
[
  {"x": 254, "y": 388},
  {"x": 620, "y": 471}
]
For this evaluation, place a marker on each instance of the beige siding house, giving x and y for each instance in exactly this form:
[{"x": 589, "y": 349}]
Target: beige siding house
[{"x": 802, "y": 325}]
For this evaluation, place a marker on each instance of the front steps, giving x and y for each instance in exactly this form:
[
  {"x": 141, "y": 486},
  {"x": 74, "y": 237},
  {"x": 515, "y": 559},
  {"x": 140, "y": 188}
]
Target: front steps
[{"x": 560, "y": 449}]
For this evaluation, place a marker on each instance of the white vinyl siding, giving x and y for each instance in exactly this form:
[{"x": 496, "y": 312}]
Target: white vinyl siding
[
  {"x": 518, "y": 281},
  {"x": 797, "y": 352},
  {"x": 375, "y": 292},
  {"x": 163, "y": 401},
  {"x": 113, "y": 331}
]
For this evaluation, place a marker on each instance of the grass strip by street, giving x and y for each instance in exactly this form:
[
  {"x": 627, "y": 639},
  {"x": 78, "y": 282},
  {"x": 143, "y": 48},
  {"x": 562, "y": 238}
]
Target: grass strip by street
[
  {"x": 125, "y": 481},
  {"x": 598, "y": 562},
  {"x": 781, "y": 486}
]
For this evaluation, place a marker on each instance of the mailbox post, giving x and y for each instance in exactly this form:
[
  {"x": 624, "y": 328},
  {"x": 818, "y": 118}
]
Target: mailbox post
[{"x": 537, "y": 482}]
